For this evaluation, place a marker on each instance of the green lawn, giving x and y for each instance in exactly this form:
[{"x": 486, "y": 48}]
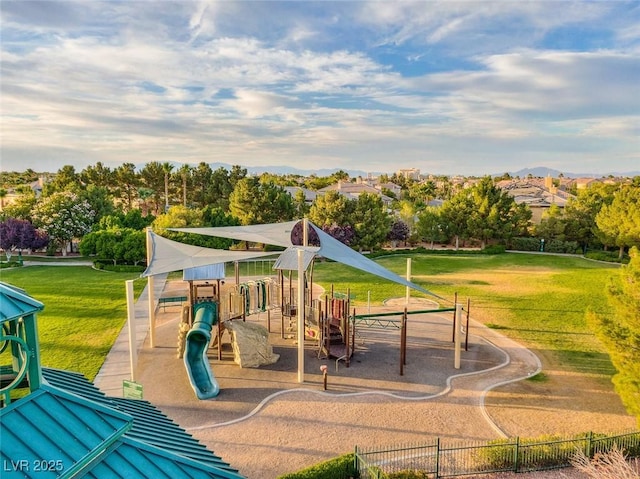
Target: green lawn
[
  {"x": 539, "y": 300},
  {"x": 84, "y": 311}
]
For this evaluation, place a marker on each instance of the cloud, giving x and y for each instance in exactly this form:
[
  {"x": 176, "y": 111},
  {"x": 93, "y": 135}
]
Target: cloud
[{"x": 367, "y": 83}]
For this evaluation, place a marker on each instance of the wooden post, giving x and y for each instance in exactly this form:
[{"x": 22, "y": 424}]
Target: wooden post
[
  {"x": 150, "y": 293},
  {"x": 300, "y": 316},
  {"x": 466, "y": 330},
  {"x": 408, "y": 290},
  {"x": 456, "y": 362},
  {"x": 403, "y": 342},
  {"x": 453, "y": 333},
  {"x": 131, "y": 316}
]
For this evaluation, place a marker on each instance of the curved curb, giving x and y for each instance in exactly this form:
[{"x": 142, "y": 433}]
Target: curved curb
[
  {"x": 448, "y": 389},
  {"x": 489, "y": 388}
]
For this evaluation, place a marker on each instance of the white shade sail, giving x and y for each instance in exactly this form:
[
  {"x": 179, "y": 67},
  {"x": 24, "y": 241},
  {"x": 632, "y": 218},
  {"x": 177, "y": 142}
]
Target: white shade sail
[
  {"x": 280, "y": 234},
  {"x": 167, "y": 255}
]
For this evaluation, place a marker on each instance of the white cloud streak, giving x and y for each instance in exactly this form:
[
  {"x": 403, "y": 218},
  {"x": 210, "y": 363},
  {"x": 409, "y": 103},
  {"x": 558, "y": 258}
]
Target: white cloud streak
[{"x": 145, "y": 81}]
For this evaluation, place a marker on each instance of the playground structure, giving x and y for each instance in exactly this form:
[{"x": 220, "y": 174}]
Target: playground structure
[
  {"x": 195, "y": 354},
  {"x": 331, "y": 324},
  {"x": 332, "y": 327},
  {"x": 211, "y": 306}
]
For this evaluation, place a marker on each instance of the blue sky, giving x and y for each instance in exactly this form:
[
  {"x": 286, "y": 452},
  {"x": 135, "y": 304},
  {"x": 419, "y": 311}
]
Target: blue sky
[{"x": 447, "y": 87}]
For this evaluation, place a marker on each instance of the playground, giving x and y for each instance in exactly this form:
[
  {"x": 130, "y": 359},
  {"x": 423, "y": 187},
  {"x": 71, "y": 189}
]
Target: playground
[
  {"x": 402, "y": 381},
  {"x": 266, "y": 423}
]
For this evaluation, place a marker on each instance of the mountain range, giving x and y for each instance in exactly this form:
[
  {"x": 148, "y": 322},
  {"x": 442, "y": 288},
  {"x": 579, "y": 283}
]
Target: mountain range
[{"x": 539, "y": 171}]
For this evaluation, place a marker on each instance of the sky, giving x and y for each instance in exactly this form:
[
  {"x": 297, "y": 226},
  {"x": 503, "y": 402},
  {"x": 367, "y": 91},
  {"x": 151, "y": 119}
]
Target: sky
[{"x": 450, "y": 87}]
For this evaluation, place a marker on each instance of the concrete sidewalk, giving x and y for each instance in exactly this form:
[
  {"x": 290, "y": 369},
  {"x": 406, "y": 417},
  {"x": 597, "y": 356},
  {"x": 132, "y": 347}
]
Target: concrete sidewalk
[{"x": 117, "y": 366}]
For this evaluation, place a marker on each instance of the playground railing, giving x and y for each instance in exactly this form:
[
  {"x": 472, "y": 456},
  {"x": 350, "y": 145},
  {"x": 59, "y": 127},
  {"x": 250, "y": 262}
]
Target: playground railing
[{"x": 440, "y": 459}]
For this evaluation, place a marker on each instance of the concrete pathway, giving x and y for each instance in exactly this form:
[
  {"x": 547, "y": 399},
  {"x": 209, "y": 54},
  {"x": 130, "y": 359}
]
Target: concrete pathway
[{"x": 117, "y": 365}]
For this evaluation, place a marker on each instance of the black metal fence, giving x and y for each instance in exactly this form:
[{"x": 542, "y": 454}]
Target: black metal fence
[{"x": 440, "y": 459}]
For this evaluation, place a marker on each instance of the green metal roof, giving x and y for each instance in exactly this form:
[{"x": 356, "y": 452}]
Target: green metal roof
[
  {"x": 15, "y": 303},
  {"x": 53, "y": 425},
  {"x": 152, "y": 436},
  {"x": 65, "y": 419},
  {"x": 136, "y": 459}
]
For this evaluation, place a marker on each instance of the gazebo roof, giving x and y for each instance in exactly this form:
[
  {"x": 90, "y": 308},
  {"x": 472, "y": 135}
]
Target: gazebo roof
[
  {"x": 16, "y": 303},
  {"x": 71, "y": 423}
]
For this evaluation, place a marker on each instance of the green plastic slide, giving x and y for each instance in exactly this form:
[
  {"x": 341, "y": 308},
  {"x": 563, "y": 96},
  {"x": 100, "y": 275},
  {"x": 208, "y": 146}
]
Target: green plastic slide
[{"x": 196, "y": 361}]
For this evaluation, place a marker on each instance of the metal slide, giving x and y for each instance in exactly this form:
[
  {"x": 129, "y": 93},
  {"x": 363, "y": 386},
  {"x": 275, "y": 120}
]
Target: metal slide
[{"x": 197, "y": 341}]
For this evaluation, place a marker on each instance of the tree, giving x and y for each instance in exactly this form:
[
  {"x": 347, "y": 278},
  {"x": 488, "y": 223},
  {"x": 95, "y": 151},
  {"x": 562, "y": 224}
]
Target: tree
[
  {"x": 126, "y": 185},
  {"x": 422, "y": 193},
  {"x": 17, "y": 234},
  {"x": 371, "y": 222},
  {"x": 66, "y": 179},
  {"x": 494, "y": 214},
  {"x": 167, "y": 168},
  {"x": 255, "y": 203},
  {"x": 153, "y": 176},
  {"x": 552, "y": 225},
  {"x": 300, "y": 204},
  {"x": 345, "y": 234},
  {"x": 221, "y": 187},
  {"x": 332, "y": 208},
  {"x": 399, "y": 232},
  {"x": 619, "y": 331},
  {"x": 99, "y": 199},
  {"x": 22, "y": 207},
  {"x": 99, "y": 175},
  {"x": 454, "y": 214},
  {"x": 619, "y": 222},
  {"x": 580, "y": 214},
  {"x": 63, "y": 217},
  {"x": 185, "y": 177},
  {"x": 430, "y": 225},
  {"x": 117, "y": 245},
  {"x": 201, "y": 177}
]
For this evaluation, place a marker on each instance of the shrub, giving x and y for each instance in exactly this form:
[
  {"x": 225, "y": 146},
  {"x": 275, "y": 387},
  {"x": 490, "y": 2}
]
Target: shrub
[
  {"x": 609, "y": 256},
  {"x": 409, "y": 475},
  {"x": 525, "y": 244},
  {"x": 341, "y": 467},
  {"x": 494, "y": 249},
  {"x": 557, "y": 246},
  {"x": 610, "y": 465},
  {"x": 119, "y": 268}
]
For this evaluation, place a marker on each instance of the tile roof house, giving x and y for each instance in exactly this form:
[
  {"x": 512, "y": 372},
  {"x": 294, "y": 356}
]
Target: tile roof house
[
  {"x": 536, "y": 195},
  {"x": 353, "y": 190},
  {"x": 66, "y": 427}
]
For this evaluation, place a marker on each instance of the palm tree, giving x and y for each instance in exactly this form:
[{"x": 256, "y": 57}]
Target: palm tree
[
  {"x": 185, "y": 173},
  {"x": 166, "y": 168}
]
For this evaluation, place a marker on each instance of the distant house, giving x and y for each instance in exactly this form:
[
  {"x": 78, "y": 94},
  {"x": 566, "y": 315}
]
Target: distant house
[
  {"x": 353, "y": 190},
  {"x": 584, "y": 183},
  {"x": 309, "y": 195},
  {"x": 535, "y": 194},
  {"x": 409, "y": 173},
  {"x": 392, "y": 187}
]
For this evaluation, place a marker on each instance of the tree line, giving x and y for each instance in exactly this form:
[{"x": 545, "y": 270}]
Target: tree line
[{"x": 101, "y": 206}]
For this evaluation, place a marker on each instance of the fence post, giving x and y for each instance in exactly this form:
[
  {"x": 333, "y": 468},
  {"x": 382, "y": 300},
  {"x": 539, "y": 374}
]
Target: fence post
[
  {"x": 589, "y": 451},
  {"x": 516, "y": 458},
  {"x": 355, "y": 461},
  {"x": 437, "y": 457}
]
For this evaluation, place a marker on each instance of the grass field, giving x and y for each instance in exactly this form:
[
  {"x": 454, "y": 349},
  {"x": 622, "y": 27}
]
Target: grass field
[
  {"x": 84, "y": 311},
  {"x": 539, "y": 300}
]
